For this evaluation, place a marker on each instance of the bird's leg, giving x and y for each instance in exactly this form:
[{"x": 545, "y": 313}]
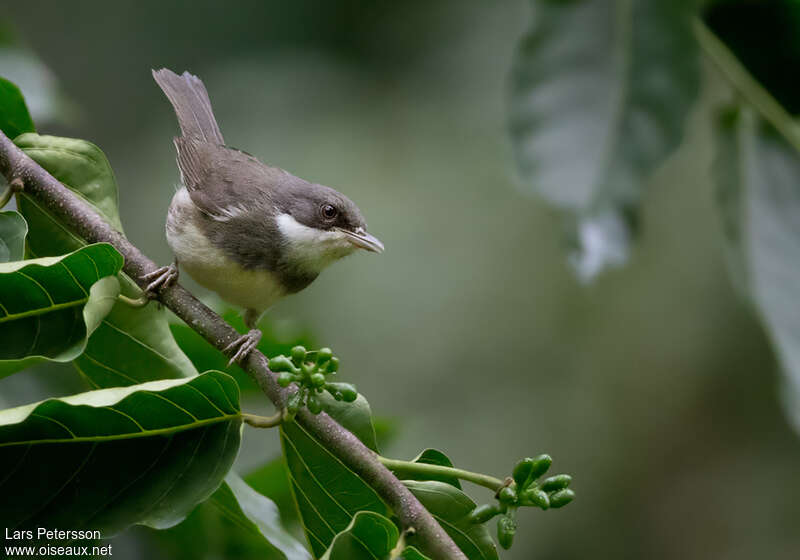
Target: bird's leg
[
  {"x": 246, "y": 343},
  {"x": 160, "y": 278}
]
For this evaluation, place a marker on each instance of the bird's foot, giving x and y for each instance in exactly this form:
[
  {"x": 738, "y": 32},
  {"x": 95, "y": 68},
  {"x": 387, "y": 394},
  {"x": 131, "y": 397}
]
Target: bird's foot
[
  {"x": 242, "y": 346},
  {"x": 159, "y": 279}
]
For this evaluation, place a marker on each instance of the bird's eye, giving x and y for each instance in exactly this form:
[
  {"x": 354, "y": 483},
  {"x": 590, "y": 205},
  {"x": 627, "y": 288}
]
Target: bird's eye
[{"x": 329, "y": 211}]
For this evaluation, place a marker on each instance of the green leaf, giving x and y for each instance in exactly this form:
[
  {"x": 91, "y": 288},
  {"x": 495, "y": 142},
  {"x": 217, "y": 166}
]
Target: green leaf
[
  {"x": 430, "y": 457},
  {"x": 601, "y": 90},
  {"x": 111, "y": 458},
  {"x": 758, "y": 181},
  {"x": 131, "y": 345},
  {"x": 356, "y": 416},
  {"x": 368, "y": 536},
  {"x": 327, "y": 493},
  {"x": 83, "y": 168},
  {"x": 272, "y": 481},
  {"x": 13, "y": 229},
  {"x": 14, "y": 116},
  {"x": 50, "y": 306},
  {"x": 412, "y": 553},
  {"x": 451, "y": 508},
  {"x": 256, "y": 514}
]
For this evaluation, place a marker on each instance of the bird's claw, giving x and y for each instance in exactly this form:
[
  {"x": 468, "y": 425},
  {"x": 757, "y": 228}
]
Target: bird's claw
[
  {"x": 159, "y": 279},
  {"x": 242, "y": 346}
]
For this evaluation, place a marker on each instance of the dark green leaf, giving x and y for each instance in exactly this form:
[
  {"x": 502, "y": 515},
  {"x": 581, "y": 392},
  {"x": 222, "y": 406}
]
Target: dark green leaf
[
  {"x": 131, "y": 345},
  {"x": 430, "y": 457},
  {"x": 108, "y": 459},
  {"x": 326, "y": 492},
  {"x": 367, "y": 537},
  {"x": 412, "y": 553},
  {"x": 758, "y": 180},
  {"x": 356, "y": 416},
  {"x": 13, "y": 229},
  {"x": 256, "y": 514},
  {"x": 451, "y": 508},
  {"x": 600, "y": 94},
  {"x": 14, "y": 116},
  {"x": 50, "y": 306}
]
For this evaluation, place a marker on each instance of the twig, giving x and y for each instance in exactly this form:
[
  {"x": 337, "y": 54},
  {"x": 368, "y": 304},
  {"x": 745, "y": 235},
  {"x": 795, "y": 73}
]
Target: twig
[
  {"x": 410, "y": 467},
  {"x": 747, "y": 86},
  {"x": 78, "y": 216}
]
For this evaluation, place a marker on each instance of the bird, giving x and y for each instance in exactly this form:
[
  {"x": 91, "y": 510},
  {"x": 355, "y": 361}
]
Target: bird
[{"x": 251, "y": 232}]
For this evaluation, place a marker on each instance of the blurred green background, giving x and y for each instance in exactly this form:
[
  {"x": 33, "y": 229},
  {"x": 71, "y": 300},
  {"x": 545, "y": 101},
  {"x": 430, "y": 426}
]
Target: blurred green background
[{"x": 655, "y": 386}]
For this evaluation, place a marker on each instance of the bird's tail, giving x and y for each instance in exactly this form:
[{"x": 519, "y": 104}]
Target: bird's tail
[{"x": 190, "y": 100}]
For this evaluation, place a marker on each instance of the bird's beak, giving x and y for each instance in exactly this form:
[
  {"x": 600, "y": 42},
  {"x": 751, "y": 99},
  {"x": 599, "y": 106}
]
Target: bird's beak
[{"x": 363, "y": 240}]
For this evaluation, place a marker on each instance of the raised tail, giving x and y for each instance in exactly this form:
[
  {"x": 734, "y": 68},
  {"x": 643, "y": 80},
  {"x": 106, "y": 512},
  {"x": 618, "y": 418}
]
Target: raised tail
[{"x": 190, "y": 100}]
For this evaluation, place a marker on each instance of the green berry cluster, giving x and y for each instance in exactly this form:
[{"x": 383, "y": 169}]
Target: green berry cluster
[
  {"x": 524, "y": 489},
  {"x": 310, "y": 370}
]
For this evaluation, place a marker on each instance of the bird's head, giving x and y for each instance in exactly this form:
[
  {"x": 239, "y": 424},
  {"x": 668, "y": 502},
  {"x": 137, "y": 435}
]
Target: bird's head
[{"x": 319, "y": 225}]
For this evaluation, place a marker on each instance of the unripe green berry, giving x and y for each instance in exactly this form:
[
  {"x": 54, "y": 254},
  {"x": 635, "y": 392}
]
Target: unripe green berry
[
  {"x": 298, "y": 354},
  {"x": 285, "y": 378},
  {"x": 505, "y": 531},
  {"x": 535, "y": 497},
  {"x": 342, "y": 391},
  {"x": 281, "y": 363},
  {"x": 333, "y": 365},
  {"x": 323, "y": 355},
  {"x": 561, "y": 498},
  {"x": 318, "y": 379},
  {"x": 522, "y": 472},
  {"x": 540, "y": 465},
  {"x": 555, "y": 483},
  {"x": 314, "y": 405},
  {"x": 507, "y": 495},
  {"x": 484, "y": 513}
]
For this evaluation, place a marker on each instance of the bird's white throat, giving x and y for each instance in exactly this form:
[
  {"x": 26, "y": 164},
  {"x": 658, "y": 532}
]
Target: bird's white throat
[{"x": 311, "y": 248}]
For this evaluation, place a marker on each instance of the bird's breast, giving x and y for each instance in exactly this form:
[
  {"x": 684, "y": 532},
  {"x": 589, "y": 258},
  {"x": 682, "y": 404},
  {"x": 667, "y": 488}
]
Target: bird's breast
[{"x": 210, "y": 267}]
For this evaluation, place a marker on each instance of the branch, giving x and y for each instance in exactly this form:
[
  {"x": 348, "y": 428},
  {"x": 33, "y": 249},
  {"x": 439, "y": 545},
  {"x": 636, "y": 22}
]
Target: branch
[{"x": 77, "y": 215}]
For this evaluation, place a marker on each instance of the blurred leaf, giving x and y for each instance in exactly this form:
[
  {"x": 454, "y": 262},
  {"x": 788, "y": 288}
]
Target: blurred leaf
[
  {"x": 430, "y": 457},
  {"x": 132, "y": 345},
  {"x": 14, "y": 116},
  {"x": 13, "y": 229},
  {"x": 327, "y": 493},
  {"x": 368, "y": 536},
  {"x": 256, "y": 514},
  {"x": 111, "y": 458},
  {"x": 758, "y": 179},
  {"x": 272, "y": 481},
  {"x": 50, "y": 306},
  {"x": 24, "y": 68},
  {"x": 276, "y": 339},
  {"x": 451, "y": 508},
  {"x": 600, "y": 93}
]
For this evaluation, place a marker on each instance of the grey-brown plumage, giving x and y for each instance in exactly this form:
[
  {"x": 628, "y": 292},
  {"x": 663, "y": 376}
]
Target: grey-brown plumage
[{"x": 249, "y": 231}]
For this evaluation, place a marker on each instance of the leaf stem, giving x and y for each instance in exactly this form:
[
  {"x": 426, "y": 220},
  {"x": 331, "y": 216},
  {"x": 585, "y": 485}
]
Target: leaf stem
[
  {"x": 141, "y": 301},
  {"x": 13, "y": 187},
  {"x": 741, "y": 79},
  {"x": 264, "y": 421},
  {"x": 402, "y": 467}
]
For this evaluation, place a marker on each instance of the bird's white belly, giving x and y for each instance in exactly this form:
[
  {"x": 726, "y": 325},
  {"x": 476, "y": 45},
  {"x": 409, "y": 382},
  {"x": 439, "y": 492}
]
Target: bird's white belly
[{"x": 209, "y": 267}]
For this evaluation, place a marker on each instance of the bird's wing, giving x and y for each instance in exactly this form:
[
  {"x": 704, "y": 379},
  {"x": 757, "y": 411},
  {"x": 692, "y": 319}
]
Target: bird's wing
[{"x": 223, "y": 181}]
